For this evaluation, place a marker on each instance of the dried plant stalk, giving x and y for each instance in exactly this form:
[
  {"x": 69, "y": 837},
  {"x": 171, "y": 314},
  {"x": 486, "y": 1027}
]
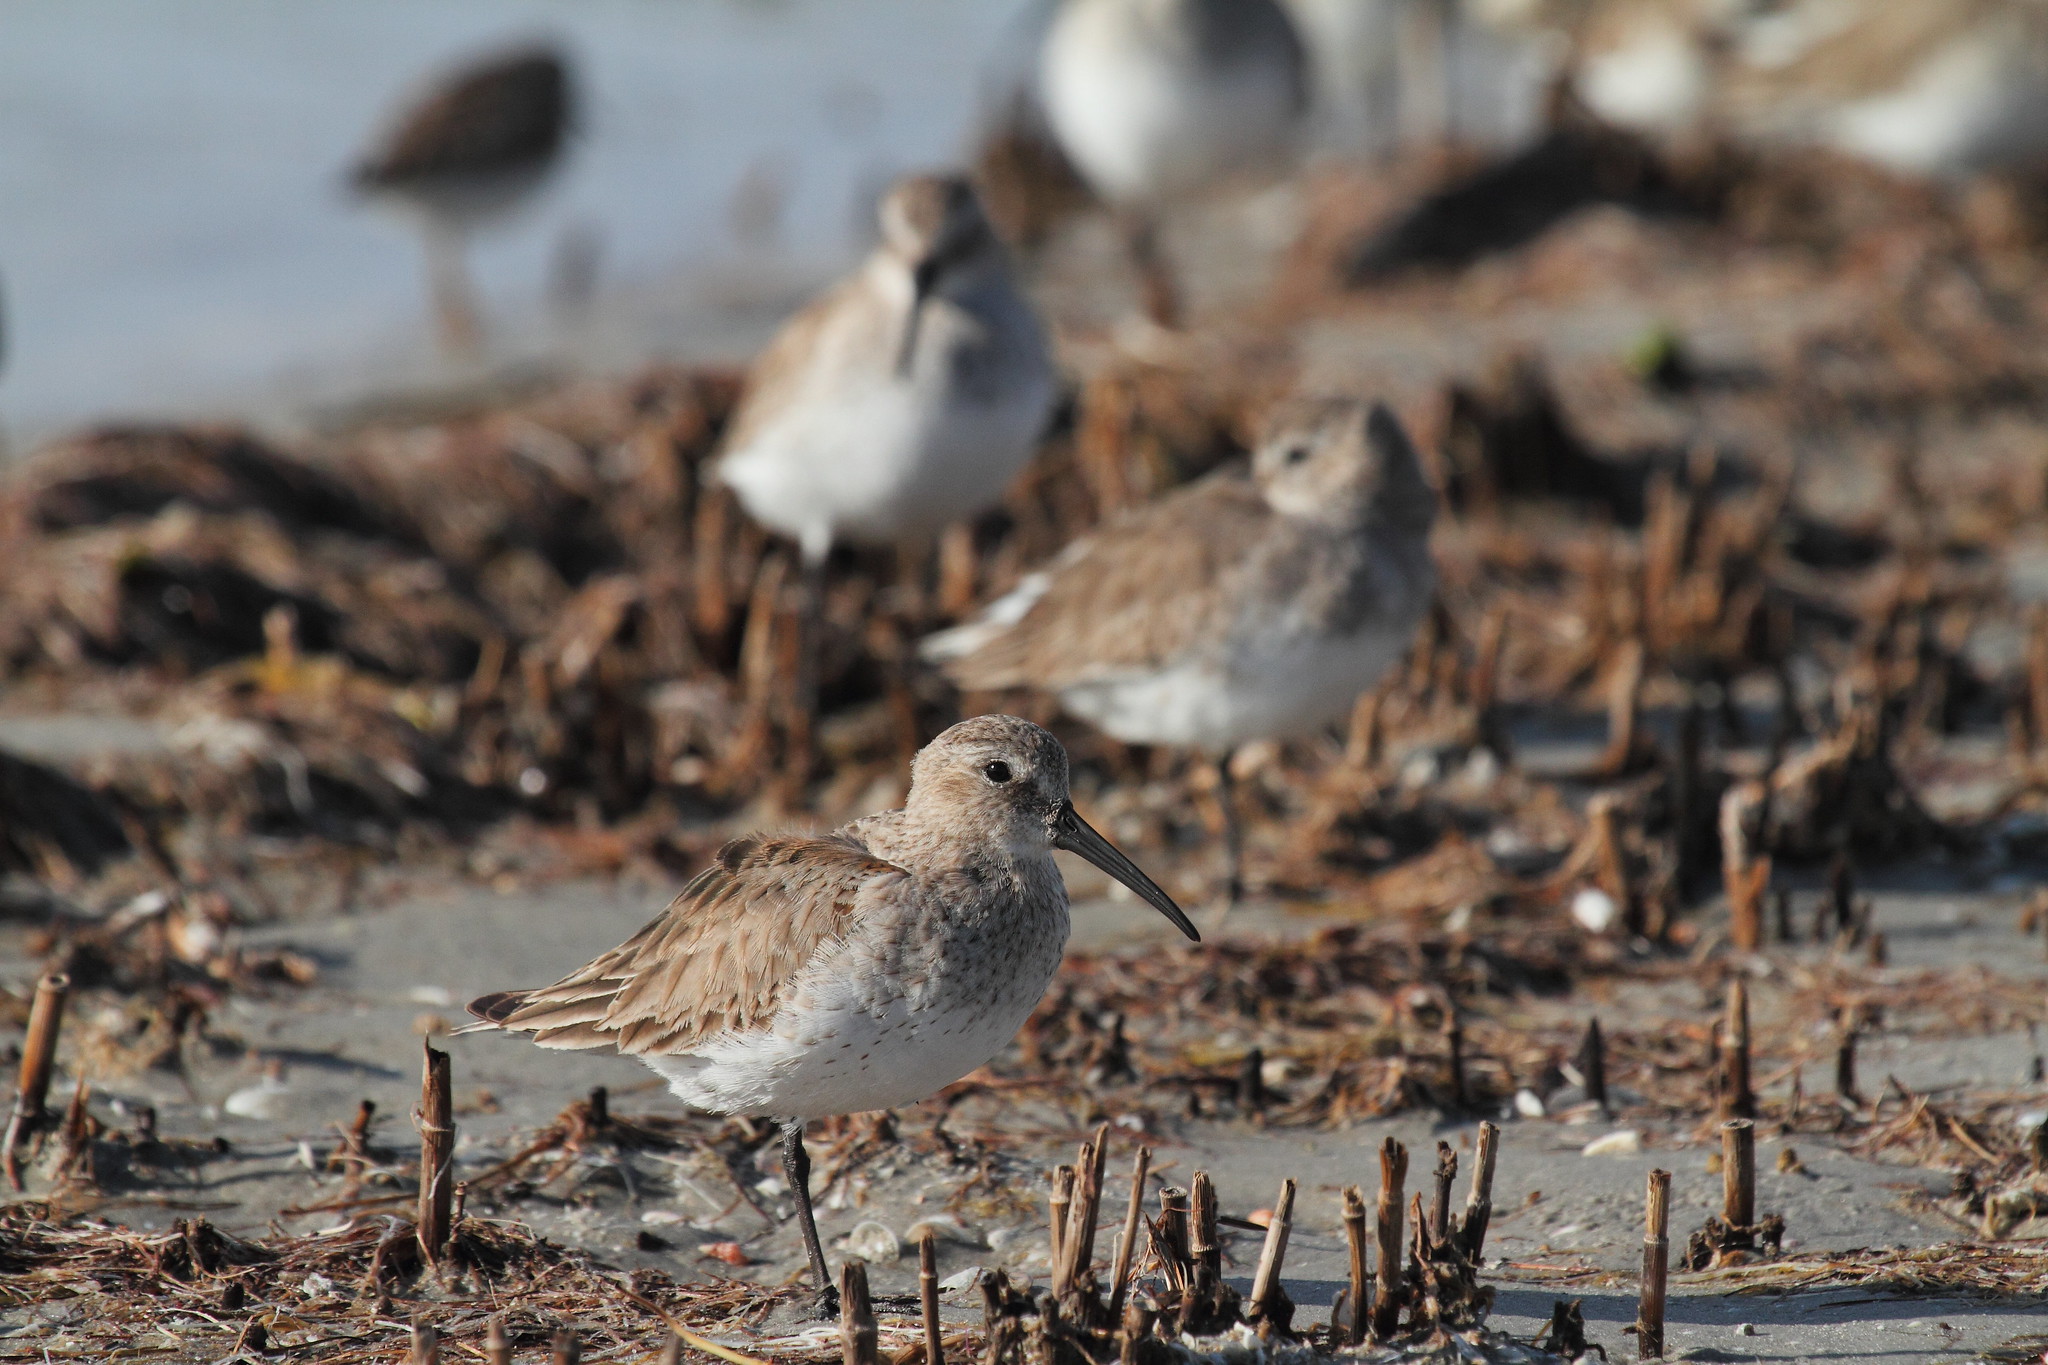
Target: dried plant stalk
[
  {"x": 437, "y": 1155},
  {"x": 1361, "y": 1285},
  {"x": 1738, "y": 1175},
  {"x": 1656, "y": 1261},
  {"x": 497, "y": 1344},
  {"x": 1062, "y": 1204},
  {"x": 1386, "y": 1309},
  {"x": 426, "y": 1343},
  {"x": 38, "y": 1061},
  {"x": 1440, "y": 1202},
  {"x": 1737, "y": 1100},
  {"x": 1173, "y": 1222},
  {"x": 1479, "y": 1203},
  {"x": 858, "y": 1332},
  {"x": 1127, "y": 1244},
  {"x": 1205, "y": 1243},
  {"x": 1274, "y": 1252},
  {"x": 928, "y": 1297},
  {"x": 1593, "y": 1064}
]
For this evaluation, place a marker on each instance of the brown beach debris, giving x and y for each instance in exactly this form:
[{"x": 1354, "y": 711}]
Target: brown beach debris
[{"x": 29, "y": 1113}]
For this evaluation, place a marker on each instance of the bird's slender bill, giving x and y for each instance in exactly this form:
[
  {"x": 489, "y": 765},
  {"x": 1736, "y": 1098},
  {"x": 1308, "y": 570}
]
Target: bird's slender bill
[
  {"x": 922, "y": 277},
  {"x": 1077, "y": 836}
]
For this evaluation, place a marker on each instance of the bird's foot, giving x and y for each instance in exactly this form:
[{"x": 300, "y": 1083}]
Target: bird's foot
[{"x": 825, "y": 1307}]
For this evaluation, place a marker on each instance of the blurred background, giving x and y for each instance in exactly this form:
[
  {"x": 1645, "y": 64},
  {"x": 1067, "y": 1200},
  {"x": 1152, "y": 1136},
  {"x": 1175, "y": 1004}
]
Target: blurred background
[
  {"x": 177, "y": 235},
  {"x": 379, "y": 625}
]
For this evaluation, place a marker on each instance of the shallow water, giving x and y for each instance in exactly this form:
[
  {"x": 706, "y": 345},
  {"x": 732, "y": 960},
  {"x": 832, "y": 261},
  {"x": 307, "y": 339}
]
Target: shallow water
[{"x": 174, "y": 232}]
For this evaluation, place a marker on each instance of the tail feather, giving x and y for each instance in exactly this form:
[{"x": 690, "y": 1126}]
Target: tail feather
[
  {"x": 494, "y": 1009},
  {"x": 962, "y": 641}
]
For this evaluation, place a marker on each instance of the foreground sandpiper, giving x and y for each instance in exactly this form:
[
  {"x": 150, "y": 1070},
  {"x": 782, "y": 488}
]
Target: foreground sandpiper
[
  {"x": 799, "y": 977},
  {"x": 902, "y": 400},
  {"x": 1156, "y": 101},
  {"x": 1236, "y": 609},
  {"x": 467, "y": 153}
]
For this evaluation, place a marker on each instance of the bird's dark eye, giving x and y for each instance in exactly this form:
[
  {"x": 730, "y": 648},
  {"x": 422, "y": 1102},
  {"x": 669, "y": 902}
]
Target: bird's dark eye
[
  {"x": 1296, "y": 454},
  {"x": 997, "y": 772}
]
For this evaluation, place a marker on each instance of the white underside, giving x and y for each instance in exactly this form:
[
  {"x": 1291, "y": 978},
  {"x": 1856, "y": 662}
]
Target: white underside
[
  {"x": 858, "y": 1045},
  {"x": 1977, "y": 102},
  {"x": 1655, "y": 82},
  {"x": 862, "y": 453},
  {"x": 1277, "y": 691},
  {"x": 1141, "y": 127}
]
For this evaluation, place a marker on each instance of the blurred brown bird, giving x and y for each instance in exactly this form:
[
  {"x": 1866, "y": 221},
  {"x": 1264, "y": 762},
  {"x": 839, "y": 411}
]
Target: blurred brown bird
[{"x": 473, "y": 148}]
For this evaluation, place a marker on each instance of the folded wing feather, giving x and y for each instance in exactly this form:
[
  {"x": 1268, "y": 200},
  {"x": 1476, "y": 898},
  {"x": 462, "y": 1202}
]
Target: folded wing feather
[{"x": 722, "y": 956}]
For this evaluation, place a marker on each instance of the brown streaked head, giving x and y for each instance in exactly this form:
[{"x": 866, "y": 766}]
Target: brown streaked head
[
  {"x": 932, "y": 217},
  {"x": 1008, "y": 777},
  {"x": 1342, "y": 459}
]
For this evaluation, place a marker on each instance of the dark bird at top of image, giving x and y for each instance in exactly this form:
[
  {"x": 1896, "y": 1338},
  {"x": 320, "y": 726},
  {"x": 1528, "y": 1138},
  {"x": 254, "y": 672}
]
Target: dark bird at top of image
[{"x": 474, "y": 147}]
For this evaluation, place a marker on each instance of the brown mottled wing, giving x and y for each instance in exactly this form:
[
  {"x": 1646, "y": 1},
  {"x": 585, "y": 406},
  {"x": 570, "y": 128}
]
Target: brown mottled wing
[
  {"x": 506, "y": 114},
  {"x": 721, "y": 956},
  {"x": 1135, "y": 595},
  {"x": 785, "y": 366}
]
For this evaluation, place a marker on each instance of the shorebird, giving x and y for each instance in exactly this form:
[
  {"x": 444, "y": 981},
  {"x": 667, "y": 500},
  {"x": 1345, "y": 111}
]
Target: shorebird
[
  {"x": 1928, "y": 87},
  {"x": 801, "y": 977},
  {"x": 1236, "y": 609},
  {"x": 1156, "y": 101},
  {"x": 902, "y": 400},
  {"x": 464, "y": 155},
  {"x": 1920, "y": 86}
]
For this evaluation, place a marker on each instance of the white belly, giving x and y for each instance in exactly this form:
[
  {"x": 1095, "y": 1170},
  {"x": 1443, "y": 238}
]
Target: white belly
[
  {"x": 1278, "y": 693},
  {"x": 856, "y": 1042},
  {"x": 1141, "y": 126},
  {"x": 1979, "y": 101},
  {"x": 875, "y": 457}
]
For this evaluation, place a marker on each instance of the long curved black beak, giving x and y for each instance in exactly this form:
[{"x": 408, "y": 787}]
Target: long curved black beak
[
  {"x": 1075, "y": 835},
  {"x": 922, "y": 277}
]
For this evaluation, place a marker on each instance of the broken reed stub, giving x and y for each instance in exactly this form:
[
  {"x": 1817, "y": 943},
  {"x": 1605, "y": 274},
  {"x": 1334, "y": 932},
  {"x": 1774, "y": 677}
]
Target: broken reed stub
[
  {"x": 928, "y": 1297},
  {"x": 1274, "y": 1252},
  {"x": 1479, "y": 1203},
  {"x": 497, "y": 1344},
  {"x": 1127, "y": 1243},
  {"x": 426, "y": 1343},
  {"x": 1440, "y": 1203},
  {"x": 1062, "y": 1203},
  {"x": 566, "y": 1349},
  {"x": 1738, "y": 1179},
  {"x": 1359, "y": 1308},
  {"x": 1656, "y": 1265},
  {"x": 1205, "y": 1240},
  {"x": 1738, "y": 1101},
  {"x": 437, "y": 1155},
  {"x": 1386, "y": 1308},
  {"x": 38, "y": 1063},
  {"x": 1593, "y": 1064},
  {"x": 1077, "y": 1247},
  {"x": 858, "y": 1332},
  {"x": 1173, "y": 1222}
]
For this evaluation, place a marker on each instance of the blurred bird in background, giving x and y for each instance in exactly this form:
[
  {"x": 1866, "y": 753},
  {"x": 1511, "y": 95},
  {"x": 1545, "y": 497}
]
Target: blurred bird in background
[
  {"x": 1233, "y": 610},
  {"x": 1157, "y": 101},
  {"x": 900, "y": 401},
  {"x": 464, "y": 156}
]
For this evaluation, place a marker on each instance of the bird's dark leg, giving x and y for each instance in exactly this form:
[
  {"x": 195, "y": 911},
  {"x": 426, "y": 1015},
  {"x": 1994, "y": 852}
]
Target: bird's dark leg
[
  {"x": 796, "y": 1166},
  {"x": 803, "y": 706},
  {"x": 1156, "y": 286},
  {"x": 1233, "y": 843},
  {"x": 455, "y": 310}
]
